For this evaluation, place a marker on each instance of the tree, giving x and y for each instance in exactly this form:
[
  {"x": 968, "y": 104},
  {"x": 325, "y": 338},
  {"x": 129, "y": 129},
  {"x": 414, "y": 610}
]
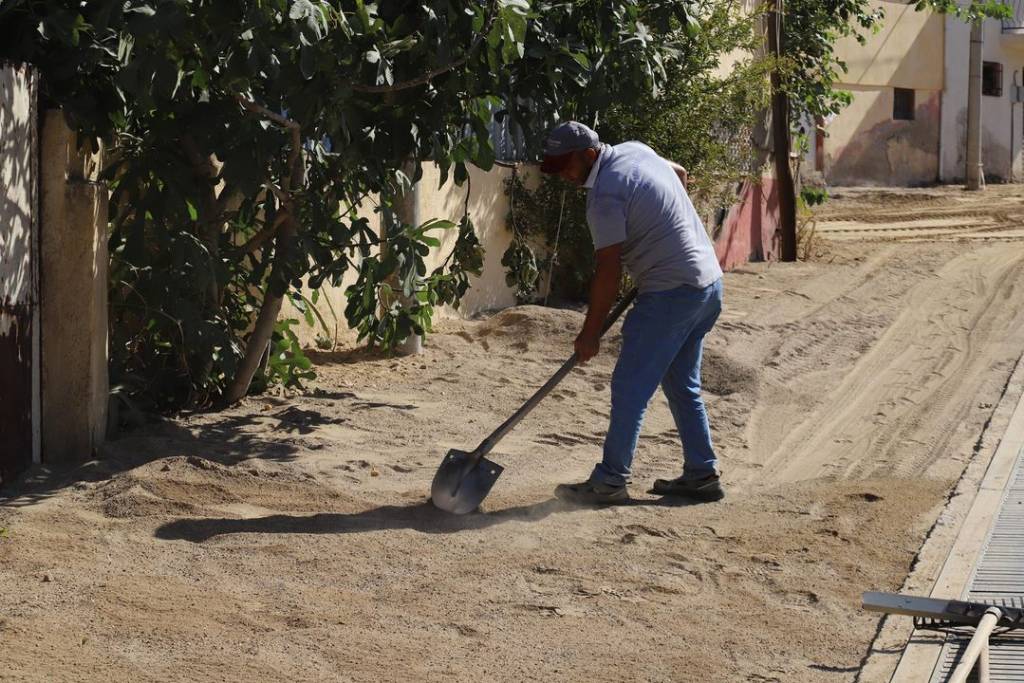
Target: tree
[
  {"x": 801, "y": 35},
  {"x": 247, "y": 133},
  {"x": 970, "y": 12},
  {"x": 809, "y": 67},
  {"x": 703, "y": 118}
]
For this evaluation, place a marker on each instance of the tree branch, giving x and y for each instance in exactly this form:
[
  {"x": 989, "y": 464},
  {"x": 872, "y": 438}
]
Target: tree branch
[
  {"x": 434, "y": 73},
  {"x": 420, "y": 80},
  {"x": 294, "y": 156},
  {"x": 203, "y": 166},
  {"x": 265, "y": 233},
  {"x": 228, "y": 193},
  {"x": 263, "y": 111},
  {"x": 277, "y": 192},
  {"x": 195, "y": 157},
  {"x": 294, "y": 178}
]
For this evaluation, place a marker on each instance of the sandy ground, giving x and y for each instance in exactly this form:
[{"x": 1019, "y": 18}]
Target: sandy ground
[{"x": 289, "y": 539}]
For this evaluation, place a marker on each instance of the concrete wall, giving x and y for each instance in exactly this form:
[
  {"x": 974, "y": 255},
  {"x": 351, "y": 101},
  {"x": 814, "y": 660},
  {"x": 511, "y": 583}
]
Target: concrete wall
[
  {"x": 73, "y": 258},
  {"x": 19, "y": 290},
  {"x": 864, "y": 145},
  {"x": 489, "y": 209},
  {"x": 1002, "y": 121},
  {"x": 728, "y": 61},
  {"x": 905, "y": 53},
  {"x": 751, "y": 229}
]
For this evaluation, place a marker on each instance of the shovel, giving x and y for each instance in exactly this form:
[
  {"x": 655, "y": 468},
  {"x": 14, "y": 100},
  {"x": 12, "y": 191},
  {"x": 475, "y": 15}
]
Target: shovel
[{"x": 464, "y": 479}]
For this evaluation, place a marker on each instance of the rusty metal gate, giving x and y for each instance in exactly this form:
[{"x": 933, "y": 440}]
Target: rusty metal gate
[{"x": 19, "y": 271}]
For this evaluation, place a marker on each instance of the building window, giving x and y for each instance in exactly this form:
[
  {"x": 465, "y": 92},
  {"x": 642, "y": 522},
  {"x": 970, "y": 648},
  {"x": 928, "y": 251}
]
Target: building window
[
  {"x": 992, "y": 79},
  {"x": 903, "y": 104}
]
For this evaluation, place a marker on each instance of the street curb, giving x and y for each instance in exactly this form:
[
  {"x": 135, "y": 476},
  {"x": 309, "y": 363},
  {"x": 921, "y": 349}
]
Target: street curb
[{"x": 922, "y": 652}]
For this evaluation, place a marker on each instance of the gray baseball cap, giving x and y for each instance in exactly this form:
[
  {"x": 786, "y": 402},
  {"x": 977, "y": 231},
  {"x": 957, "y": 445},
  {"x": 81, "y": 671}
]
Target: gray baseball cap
[{"x": 565, "y": 138}]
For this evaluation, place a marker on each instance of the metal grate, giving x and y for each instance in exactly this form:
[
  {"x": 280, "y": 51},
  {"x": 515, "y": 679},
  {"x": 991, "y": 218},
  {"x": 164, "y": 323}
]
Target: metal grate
[{"x": 999, "y": 580}]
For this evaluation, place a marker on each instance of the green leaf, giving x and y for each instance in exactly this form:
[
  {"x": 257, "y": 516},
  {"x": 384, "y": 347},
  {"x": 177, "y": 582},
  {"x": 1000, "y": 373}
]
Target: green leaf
[
  {"x": 307, "y": 61},
  {"x": 518, "y": 6},
  {"x": 435, "y": 224},
  {"x": 301, "y": 9},
  {"x": 200, "y": 79}
]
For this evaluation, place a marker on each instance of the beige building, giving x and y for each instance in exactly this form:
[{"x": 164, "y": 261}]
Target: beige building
[
  {"x": 1002, "y": 112},
  {"x": 907, "y": 123},
  {"x": 890, "y": 134}
]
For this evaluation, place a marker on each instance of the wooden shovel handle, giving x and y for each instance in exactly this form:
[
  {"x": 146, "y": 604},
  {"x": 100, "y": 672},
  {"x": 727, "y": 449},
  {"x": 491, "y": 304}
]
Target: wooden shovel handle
[{"x": 491, "y": 441}]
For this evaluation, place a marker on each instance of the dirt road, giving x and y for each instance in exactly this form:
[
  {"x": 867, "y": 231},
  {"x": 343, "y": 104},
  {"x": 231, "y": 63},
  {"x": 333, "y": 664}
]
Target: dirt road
[{"x": 289, "y": 539}]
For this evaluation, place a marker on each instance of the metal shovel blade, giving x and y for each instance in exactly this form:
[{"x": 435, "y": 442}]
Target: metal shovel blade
[{"x": 463, "y": 481}]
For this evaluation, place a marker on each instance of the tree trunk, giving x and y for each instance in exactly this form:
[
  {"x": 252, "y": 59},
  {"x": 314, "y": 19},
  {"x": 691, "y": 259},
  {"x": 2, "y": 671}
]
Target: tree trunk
[
  {"x": 406, "y": 210},
  {"x": 780, "y": 140},
  {"x": 263, "y": 330},
  {"x": 287, "y": 232},
  {"x": 211, "y": 224},
  {"x": 208, "y": 221}
]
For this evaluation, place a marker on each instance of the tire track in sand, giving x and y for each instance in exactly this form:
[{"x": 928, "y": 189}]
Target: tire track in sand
[{"x": 903, "y": 401}]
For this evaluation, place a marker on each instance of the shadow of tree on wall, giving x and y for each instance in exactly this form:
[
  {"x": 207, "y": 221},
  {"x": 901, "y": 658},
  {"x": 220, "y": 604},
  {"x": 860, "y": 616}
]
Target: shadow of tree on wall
[{"x": 18, "y": 270}]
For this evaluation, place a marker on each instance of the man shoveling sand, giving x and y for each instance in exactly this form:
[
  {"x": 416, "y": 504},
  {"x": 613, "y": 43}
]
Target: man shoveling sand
[{"x": 641, "y": 217}]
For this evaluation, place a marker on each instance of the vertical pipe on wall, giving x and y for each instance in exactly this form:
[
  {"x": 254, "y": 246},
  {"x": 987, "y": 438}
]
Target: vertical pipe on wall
[
  {"x": 974, "y": 173},
  {"x": 35, "y": 121},
  {"x": 941, "y": 165},
  {"x": 1014, "y": 95}
]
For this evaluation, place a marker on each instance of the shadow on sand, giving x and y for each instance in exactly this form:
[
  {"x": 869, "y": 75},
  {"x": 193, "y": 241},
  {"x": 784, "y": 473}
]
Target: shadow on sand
[
  {"x": 422, "y": 517},
  {"x": 273, "y": 435}
]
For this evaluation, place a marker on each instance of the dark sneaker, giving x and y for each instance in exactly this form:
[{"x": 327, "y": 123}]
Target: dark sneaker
[
  {"x": 592, "y": 493},
  {"x": 703, "y": 487}
]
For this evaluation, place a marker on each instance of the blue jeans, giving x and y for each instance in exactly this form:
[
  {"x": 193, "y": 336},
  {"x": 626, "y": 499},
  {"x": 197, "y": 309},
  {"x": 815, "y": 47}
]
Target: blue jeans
[{"x": 662, "y": 341}]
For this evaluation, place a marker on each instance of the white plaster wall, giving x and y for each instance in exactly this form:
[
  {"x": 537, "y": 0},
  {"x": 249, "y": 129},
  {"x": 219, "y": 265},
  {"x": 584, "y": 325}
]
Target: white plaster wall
[
  {"x": 17, "y": 183},
  {"x": 73, "y": 259},
  {"x": 728, "y": 61},
  {"x": 864, "y": 144},
  {"x": 489, "y": 209},
  {"x": 19, "y": 268},
  {"x": 906, "y": 52},
  {"x": 999, "y": 115}
]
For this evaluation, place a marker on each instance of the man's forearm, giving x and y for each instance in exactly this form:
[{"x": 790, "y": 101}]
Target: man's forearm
[{"x": 604, "y": 289}]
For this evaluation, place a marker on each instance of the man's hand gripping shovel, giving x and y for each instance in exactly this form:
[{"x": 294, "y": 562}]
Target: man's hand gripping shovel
[{"x": 464, "y": 479}]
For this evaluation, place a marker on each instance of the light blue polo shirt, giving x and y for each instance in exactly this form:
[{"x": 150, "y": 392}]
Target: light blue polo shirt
[{"x": 638, "y": 200}]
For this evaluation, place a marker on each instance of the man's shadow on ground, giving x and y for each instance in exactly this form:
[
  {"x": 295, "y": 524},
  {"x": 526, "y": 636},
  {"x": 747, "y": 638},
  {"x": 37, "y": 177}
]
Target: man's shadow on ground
[{"x": 422, "y": 517}]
